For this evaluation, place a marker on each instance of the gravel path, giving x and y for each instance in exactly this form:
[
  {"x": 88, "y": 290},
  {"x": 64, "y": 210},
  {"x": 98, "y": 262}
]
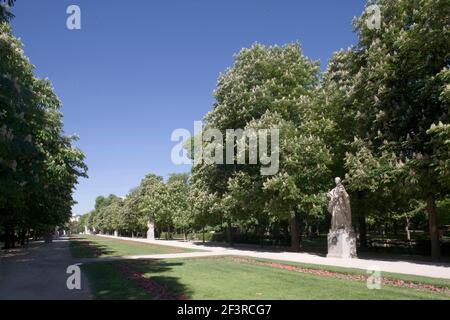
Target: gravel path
[{"x": 38, "y": 272}]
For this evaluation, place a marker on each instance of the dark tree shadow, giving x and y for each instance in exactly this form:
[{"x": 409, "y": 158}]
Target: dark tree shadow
[{"x": 133, "y": 280}]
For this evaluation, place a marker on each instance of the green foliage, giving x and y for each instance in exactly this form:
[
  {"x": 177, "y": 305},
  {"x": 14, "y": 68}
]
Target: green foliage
[
  {"x": 379, "y": 116},
  {"x": 39, "y": 166},
  {"x": 399, "y": 92},
  {"x": 444, "y": 212},
  {"x": 178, "y": 201},
  {"x": 389, "y": 96},
  {"x": 268, "y": 88},
  {"x": 166, "y": 203}
]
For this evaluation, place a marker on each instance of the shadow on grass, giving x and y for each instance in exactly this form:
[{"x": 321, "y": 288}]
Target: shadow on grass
[
  {"x": 82, "y": 248},
  {"x": 114, "y": 247},
  {"x": 131, "y": 280}
]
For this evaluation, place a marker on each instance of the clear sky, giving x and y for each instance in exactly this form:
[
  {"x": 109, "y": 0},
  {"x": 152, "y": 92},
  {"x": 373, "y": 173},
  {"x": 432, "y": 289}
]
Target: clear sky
[{"x": 138, "y": 69}]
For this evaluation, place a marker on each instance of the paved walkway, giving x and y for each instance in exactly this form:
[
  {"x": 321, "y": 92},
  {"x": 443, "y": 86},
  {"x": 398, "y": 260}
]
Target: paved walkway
[
  {"x": 38, "y": 272},
  {"x": 419, "y": 268}
]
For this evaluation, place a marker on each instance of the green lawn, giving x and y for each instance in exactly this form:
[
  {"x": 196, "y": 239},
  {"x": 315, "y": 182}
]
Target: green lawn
[
  {"x": 93, "y": 246},
  {"x": 224, "y": 278},
  {"x": 107, "y": 283}
]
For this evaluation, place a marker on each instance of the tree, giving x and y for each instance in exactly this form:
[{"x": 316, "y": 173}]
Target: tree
[
  {"x": 400, "y": 93},
  {"x": 297, "y": 190},
  {"x": 203, "y": 204},
  {"x": 84, "y": 222},
  {"x": 105, "y": 216},
  {"x": 131, "y": 217},
  {"x": 153, "y": 202},
  {"x": 270, "y": 88},
  {"x": 178, "y": 202},
  {"x": 39, "y": 166}
]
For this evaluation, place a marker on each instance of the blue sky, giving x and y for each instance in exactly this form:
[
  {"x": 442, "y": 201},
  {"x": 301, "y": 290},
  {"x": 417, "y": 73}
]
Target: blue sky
[{"x": 139, "y": 69}]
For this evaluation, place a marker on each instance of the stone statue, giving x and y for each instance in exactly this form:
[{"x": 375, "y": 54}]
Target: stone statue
[
  {"x": 151, "y": 229},
  {"x": 341, "y": 238},
  {"x": 339, "y": 207}
]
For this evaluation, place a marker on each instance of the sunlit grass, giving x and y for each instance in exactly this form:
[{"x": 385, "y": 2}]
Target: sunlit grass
[
  {"x": 224, "y": 278},
  {"x": 93, "y": 246}
]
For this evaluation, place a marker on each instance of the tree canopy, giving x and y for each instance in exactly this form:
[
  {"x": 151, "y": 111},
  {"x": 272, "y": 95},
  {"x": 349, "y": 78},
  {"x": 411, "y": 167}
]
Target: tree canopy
[
  {"x": 39, "y": 165},
  {"x": 377, "y": 117}
]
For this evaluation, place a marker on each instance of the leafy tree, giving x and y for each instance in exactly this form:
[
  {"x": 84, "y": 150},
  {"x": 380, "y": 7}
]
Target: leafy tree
[
  {"x": 178, "y": 202},
  {"x": 400, "y": 94},
  {"x": 84, "y": 222},
  {"x": 203, "y": 204},
  {"x": 270, "y": 87},
  {"x": 39, "y": 167},
  {"x": 104, "y": 217},
  {"x": 131, "y": 217},
  {"x": 154, "y": 200}
]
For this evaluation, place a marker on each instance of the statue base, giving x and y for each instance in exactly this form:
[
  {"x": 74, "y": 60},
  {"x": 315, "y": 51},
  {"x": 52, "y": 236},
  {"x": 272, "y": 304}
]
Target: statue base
[{"x": 341, "y": 244}]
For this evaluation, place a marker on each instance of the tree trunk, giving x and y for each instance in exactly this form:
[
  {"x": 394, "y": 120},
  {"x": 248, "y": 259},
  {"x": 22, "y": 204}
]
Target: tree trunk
[
  {"x": 408, "y": 233},
  {"x": 203, "y": 234},
  {"x": 276, "y": 233},
  {"x": 22, "y": 237},
  {"x": 230, "y": 234},
  {"x": 286, "y": 234},
  {"x": 7, "y": 238},
  {"x": 395, "y": 226},
  {"x": 434, "y": 236},
  {"x": 13, "y": 238},
  {"x": 295, "y": 234},
  {"x": 261, "y": 236},
  {"x": 362, "y": 226}
]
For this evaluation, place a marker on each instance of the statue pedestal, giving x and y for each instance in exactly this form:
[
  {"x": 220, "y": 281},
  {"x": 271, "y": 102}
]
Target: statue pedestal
[{"x": 341, "y": 244}]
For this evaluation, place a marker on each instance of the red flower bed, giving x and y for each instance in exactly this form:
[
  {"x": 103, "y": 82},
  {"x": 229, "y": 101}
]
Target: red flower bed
[
  {"x": 344, "y": 276},
  {"x": 156, "y": 290}
]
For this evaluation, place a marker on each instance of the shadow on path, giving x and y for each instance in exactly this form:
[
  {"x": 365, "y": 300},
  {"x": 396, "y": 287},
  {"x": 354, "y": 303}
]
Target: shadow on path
[{"x": 38, "y": 272}]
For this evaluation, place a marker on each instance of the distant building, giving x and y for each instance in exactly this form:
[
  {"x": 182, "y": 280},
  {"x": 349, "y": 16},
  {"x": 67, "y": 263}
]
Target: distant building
[{"x": 75, "y": 219}]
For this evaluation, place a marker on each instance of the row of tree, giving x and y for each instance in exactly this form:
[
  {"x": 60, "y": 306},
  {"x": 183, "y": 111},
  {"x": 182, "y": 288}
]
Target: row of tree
[
  {"x": 379, "y": 116},
  {"x": 166, "y": 203},
  {"x": 39, "y": 166}
]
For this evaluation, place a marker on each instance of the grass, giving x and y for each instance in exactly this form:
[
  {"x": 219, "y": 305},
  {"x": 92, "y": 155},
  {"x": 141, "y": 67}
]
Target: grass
[
  {"x": 224, "y": 278},
  {"x": 397, "y": 276},
  {"x": 93, "y": 246},
  {"x": 107, "y": 283}
]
